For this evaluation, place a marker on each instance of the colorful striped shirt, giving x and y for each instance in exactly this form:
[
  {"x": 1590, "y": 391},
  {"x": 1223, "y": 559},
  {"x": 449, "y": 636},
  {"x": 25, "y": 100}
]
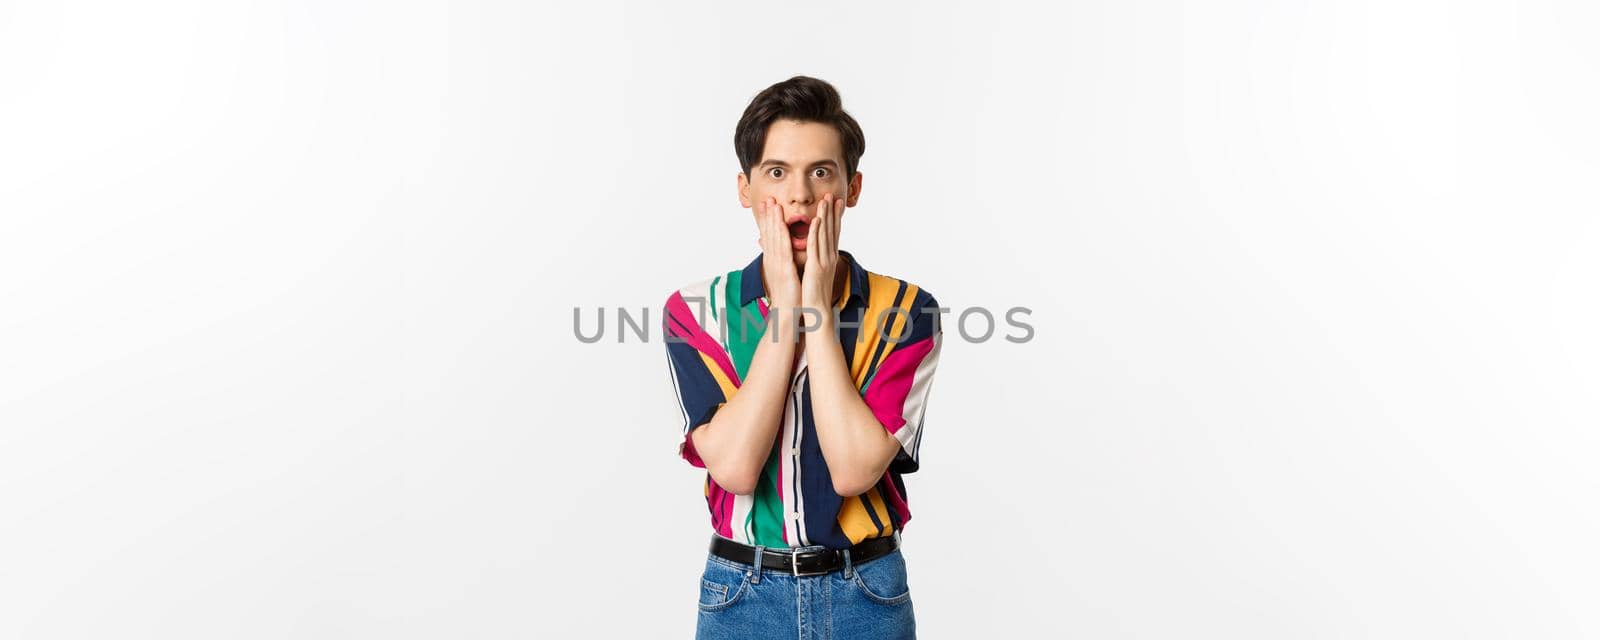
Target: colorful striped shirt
[{"x": 890, "y": 332}]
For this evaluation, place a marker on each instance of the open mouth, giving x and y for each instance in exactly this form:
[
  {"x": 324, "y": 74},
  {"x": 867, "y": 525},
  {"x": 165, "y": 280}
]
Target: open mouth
[{"x": 799, "y": 229}]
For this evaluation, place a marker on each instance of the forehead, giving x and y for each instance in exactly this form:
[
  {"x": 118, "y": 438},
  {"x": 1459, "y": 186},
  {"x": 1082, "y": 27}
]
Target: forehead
[{"x": 798, "y": 142}]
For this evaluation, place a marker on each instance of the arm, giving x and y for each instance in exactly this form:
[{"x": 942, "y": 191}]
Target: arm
[
  {"x": 857, "y": 447},
  {"x": 736, "y": 442}
]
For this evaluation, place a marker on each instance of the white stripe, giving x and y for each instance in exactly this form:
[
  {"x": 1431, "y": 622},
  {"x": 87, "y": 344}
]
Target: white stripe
[
  {"x": 794, "y": 498},
  {"x": 791, "y": 531},
  {"x": 741, "y": 511},
  {"x": 917, "y": 397}
]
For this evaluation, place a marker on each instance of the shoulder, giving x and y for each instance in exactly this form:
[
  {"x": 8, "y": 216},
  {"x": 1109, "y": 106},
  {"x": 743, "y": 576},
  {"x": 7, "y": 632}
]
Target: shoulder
[
  {"x": 692, "y": 301},
  {"x": 695, "y": 308},
  {"x": 697, "y": 289},
  {"x": 887, "y": 292}
]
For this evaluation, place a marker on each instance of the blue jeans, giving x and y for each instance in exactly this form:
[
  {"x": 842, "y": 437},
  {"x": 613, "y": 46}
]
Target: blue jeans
[{"x": 866, "y": 600}]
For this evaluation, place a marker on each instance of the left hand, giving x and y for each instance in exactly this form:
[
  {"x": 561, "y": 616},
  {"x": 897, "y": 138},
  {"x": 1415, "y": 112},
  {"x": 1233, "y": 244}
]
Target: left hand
[{"x": 822, "y": 257}]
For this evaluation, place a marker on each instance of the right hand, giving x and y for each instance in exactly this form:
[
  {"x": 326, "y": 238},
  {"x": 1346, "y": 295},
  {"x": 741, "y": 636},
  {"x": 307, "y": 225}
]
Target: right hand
[{"x": 777, "y": 256}]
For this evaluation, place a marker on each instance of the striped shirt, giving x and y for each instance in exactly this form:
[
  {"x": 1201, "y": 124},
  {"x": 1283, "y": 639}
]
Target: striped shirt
[{"x": 890, "y": 332}]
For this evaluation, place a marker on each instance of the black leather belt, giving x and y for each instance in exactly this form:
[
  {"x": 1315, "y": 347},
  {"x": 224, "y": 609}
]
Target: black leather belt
[{"x": 814, "y": 560}]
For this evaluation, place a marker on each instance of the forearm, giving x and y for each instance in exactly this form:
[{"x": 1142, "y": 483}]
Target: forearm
[
  {"x": 736, "y": 442},
  {"x": 855, "y": 445}
]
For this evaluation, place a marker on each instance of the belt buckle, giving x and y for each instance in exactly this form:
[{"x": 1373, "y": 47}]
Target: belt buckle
[{"x": 794, "y": 561}]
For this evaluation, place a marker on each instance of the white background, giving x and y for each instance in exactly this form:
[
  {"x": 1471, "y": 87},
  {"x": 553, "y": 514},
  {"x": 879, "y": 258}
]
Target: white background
[{"x": 286, "y": 292}]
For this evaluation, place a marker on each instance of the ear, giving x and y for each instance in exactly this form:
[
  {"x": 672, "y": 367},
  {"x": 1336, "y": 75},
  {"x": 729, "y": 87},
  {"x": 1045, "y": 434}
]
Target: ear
[
  {"x": 744, "y": 191},
  {"x": 855, "y": 190}
]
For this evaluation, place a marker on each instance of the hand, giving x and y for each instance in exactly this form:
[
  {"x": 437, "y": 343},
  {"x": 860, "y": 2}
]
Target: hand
[
  {"x": 777, "y": 257},
  {"x": 822, "y": 257}
]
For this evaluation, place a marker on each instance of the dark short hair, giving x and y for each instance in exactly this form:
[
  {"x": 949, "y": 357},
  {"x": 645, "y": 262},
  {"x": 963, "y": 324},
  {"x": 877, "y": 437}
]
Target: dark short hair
[{"x": 802, "y": 98}]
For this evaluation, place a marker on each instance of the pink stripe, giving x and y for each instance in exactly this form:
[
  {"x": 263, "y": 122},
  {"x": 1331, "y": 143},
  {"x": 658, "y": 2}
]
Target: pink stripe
[
  {"x": 725, "y": 526},
  {"x": 698, "y": 338},
  {"x": 895, "y": 501},
  {"x": 721, "y": 505},
  {"x": 686, "y": 449},
  {"x": 892, "y": 383}
]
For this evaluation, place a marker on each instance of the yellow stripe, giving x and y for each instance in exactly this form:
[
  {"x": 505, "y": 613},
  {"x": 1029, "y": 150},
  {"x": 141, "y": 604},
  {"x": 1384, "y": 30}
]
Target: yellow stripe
[
  {"x": 897, "y": 320},
  {"x": 854, "y": 521},
  {"x": 902, "y": 323},
  {"x": 719, "y": 376},
  {"x": 880, "y": 296}
]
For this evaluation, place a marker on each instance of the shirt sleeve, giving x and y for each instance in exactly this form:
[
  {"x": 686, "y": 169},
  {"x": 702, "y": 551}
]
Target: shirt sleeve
[
  {"x": 699, "y": 368},
  {"x": 897, "y": 390}
]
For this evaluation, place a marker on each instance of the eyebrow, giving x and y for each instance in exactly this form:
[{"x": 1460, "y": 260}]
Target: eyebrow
[{"x": 781, "y": 163}]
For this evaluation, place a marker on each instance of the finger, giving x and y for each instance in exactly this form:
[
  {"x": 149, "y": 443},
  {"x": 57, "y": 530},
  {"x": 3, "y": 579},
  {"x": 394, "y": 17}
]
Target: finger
[
  {"x": 821, "y": 229},
  {"x": 774, "y": 230},
  {"x": 825, "y": 217},
  {"x": 780, "y": 231},
  {"x": 838, "y": 222},
  {"x": 826, "y": 250},
  {"x": 758, "y": 213},
  {"x": 833, "y": 230},
  {"x": 811, "y": 242},
  {"x": 764, "y": 217}
]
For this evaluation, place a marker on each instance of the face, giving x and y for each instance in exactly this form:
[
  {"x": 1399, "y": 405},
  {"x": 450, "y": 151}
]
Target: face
[{"x": 801, "y": 163}]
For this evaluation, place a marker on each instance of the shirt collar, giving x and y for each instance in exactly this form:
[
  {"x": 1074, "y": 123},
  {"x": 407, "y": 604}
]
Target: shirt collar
[{"x": 752, "y": 287}]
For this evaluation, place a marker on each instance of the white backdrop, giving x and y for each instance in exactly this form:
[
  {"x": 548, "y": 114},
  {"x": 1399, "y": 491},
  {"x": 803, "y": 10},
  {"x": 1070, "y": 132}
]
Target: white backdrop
[{"x": 286, "y": 292}]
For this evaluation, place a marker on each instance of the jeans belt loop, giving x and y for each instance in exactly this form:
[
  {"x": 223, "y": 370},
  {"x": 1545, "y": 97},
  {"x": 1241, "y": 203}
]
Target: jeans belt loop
[{"x": 757, "y": 578}]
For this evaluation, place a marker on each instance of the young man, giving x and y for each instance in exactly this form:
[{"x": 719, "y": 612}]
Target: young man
[{"x": 804, "y": 431}]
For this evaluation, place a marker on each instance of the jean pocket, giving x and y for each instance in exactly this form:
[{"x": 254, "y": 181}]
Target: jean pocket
[
  {"x": 883, "y": 579},
  {"x": 722, "y": 585}
]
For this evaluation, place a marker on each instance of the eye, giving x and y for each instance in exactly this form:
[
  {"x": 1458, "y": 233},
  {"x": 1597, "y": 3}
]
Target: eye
[
  {"x": 775, "y": 172},
  {"x": 821, "y": 172}
]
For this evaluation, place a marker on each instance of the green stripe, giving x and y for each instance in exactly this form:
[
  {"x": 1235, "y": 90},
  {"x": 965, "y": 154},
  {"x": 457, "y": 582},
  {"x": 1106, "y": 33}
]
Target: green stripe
[
  {"x": 741, "y": 348},
  {"x": 714, "y": 282},
  {"x": 767, "y": 511}
]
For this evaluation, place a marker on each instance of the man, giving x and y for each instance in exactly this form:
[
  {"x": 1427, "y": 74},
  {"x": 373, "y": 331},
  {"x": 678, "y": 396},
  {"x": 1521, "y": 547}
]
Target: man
[{"x": 803, "y": 378}]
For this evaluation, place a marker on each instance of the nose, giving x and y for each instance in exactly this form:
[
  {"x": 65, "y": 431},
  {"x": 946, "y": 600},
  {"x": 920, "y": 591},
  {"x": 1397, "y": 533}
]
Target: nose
[{"x": 801, "y": 194}]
